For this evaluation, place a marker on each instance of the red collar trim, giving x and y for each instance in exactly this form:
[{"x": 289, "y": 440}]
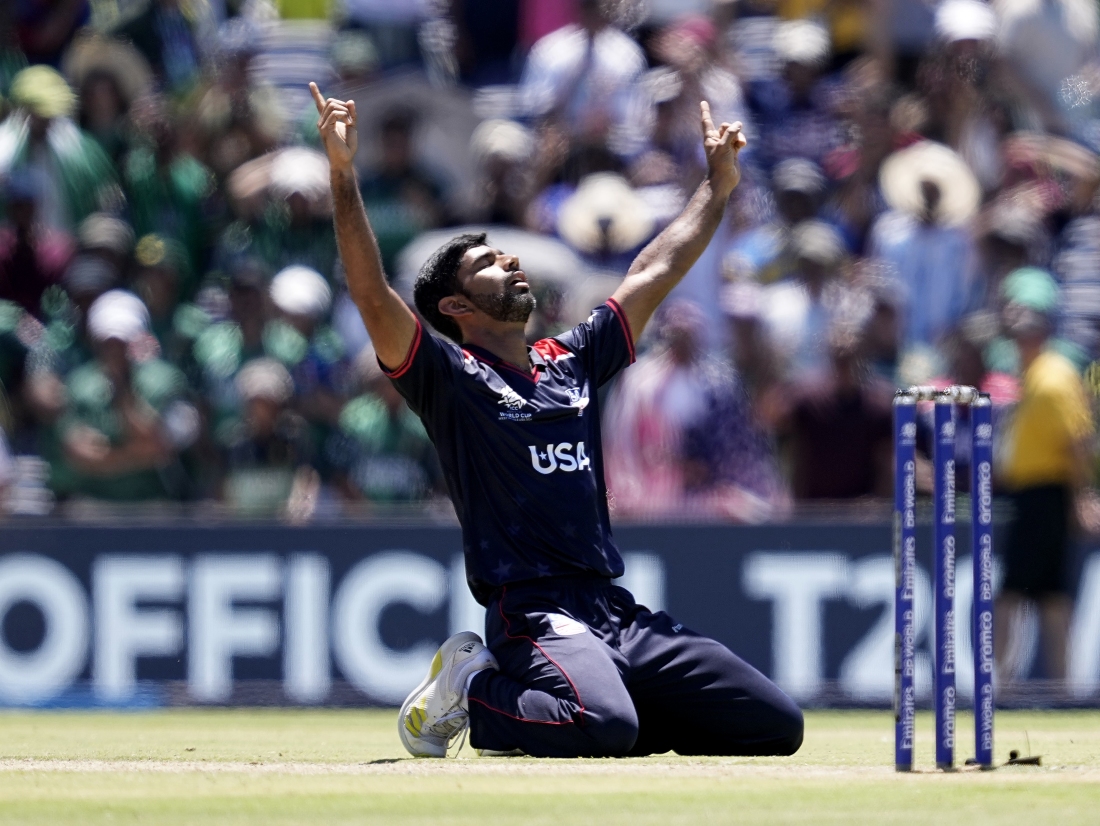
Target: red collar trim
[{"x": 494, "y": 361}]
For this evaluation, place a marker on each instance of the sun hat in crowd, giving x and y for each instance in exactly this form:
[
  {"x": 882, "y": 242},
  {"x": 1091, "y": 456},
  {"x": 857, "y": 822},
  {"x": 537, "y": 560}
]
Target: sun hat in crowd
[
  {"x": 265, "y": 378},
  {"x": 904, "y": 172},
  {"x": 1031, "y": 287},
  {"x": 801, "y": 41},
  {"x": 798, "y": 175},
  {"x": 280, "y": 174},
  {"x": 1035, "y": 154},
  {"x": 604, "y": 213},
  {"x": 118, "y": 314},
  {"x": 301, "y": 291},
  {"x": 91, "y": 53},
  {"x": 43, "y": 91},
  {"x": 965, "y": 20}
]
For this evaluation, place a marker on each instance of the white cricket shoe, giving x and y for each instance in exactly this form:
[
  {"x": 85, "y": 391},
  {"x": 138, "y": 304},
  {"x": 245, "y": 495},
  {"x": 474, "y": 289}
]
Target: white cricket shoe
[{"x": 433, "y": 715}]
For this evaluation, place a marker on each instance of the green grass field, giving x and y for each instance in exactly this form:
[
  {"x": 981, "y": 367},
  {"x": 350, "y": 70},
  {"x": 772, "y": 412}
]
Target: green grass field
[{"x": 335, "y": 767}]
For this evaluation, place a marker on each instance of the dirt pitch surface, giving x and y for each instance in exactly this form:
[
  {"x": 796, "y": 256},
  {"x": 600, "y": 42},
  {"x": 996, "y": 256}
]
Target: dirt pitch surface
[{"x": 336, "y": 767}]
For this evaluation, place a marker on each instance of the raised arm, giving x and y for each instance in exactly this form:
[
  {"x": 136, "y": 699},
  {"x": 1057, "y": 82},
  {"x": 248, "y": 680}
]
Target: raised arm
[
  {"x": 667, "y": 258},
  {"x": 391, "y": 324}
]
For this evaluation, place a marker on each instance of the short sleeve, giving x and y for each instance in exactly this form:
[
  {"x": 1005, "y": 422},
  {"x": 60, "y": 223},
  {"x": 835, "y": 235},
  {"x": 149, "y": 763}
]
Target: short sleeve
[
  {"x": 426, "y": 377},
  {"x": 604, "y": 342}
]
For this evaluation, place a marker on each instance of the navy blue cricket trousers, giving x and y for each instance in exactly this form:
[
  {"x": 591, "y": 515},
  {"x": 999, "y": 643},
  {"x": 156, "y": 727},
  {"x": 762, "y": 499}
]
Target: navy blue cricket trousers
[{"x": 586, "y": 672}]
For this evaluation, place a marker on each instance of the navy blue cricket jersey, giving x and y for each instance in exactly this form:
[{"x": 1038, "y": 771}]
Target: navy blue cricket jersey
[{"x": 521, "y": 451}]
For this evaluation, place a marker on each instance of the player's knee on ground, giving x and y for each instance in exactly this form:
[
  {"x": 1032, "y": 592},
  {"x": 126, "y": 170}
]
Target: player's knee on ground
[
  {"x": 790, "y": 727},
  {"x": 775, "y": 730},
  {"x": 780, "y": 721},
  {"x": 611, "y": 732}
]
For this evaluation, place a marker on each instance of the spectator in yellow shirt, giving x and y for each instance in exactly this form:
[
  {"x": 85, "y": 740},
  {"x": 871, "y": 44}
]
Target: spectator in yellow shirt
[{"x": 1047, "y": 460}]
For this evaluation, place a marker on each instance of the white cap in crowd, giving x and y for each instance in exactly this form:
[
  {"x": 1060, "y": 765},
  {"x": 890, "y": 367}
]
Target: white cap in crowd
[
  {"x": 101, "y": 231},
  {"x": 965, "y": 20},
  {"x": 802, "y": 41},
  {"x": 118, "y": 314},
  {"x": 799, "y": 175},
  {"x": 301, "y": 170},
  {"x": 819, "y": 242},
  {"x": 301, "y": 291},
  {"x": 265, "y": 378},
  {"x": 504, "y": 139}
]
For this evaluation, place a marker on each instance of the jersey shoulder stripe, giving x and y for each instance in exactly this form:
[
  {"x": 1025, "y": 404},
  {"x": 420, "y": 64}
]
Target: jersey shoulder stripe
[
  {"x": 403, "y": 368},
  {"x": 624, "y": 322},
  {"x": 552, "y": 349}
]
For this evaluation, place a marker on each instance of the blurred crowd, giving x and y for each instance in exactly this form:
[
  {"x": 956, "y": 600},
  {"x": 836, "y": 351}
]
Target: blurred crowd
[{"x": 919, "y": 191}]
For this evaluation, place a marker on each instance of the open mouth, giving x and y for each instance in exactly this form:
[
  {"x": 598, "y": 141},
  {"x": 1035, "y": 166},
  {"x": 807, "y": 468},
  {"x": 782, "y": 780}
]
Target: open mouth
[{"x": 519, "y": 279}]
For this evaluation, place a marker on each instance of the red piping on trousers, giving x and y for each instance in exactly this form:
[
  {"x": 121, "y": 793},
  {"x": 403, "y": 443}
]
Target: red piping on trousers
[
  {"x": 508, "y": 633},
  {"x": 519, "y": 719}
]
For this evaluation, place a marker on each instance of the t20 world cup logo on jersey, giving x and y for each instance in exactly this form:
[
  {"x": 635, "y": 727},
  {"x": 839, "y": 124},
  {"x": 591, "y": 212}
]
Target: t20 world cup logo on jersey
[
  {"x": 559, "y": 457},
  {"x": 512, "y": 402},
  {"x": 510, "y": 398}
]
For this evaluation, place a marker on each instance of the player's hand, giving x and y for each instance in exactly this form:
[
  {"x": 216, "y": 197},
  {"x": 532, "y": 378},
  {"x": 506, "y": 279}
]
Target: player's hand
[
  {"x": 336, "y": 121},
  {"x": 722, "y": 146}
]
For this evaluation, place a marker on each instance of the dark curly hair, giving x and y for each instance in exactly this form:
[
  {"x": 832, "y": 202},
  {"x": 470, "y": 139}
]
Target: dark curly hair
[{"x": 438, "y": 279}]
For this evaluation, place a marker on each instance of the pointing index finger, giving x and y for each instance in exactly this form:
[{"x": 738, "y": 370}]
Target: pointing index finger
[
  {"x": 708, "y": 122},
  {"x": 318, "y": 98}
]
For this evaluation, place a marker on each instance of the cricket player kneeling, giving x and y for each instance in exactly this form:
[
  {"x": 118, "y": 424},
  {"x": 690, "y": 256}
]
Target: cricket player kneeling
[{"x": 574, "y": 666}]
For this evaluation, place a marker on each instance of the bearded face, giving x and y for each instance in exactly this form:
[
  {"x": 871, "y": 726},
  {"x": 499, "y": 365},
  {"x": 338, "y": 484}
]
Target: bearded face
[
  {"x": 507, "y": 305},
  {"x": 493, "y": 282}
]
